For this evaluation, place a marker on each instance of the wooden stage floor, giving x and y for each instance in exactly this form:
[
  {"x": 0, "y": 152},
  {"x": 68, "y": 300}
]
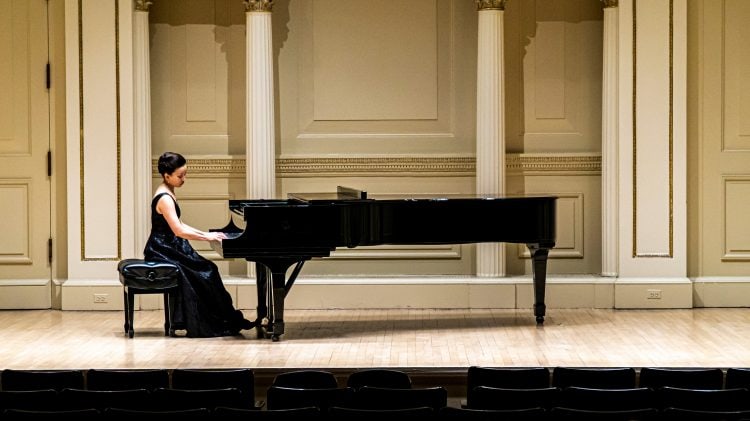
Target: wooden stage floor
[{"x": 405, "y": 338}]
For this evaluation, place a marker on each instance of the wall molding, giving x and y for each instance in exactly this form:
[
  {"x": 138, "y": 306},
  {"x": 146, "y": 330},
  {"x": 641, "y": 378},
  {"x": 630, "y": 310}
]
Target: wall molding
[{"x": 396, "y": 166}]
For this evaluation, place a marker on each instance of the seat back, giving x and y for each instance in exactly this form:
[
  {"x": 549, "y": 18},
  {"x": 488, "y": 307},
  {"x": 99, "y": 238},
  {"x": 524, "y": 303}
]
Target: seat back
[
  {"x": 370, "y": 397},
  {"x": 454, "y": 413},
  {"x": 134, "y": 413},
  {"x": 306, "y": 413},
  {"x": 599, "y": 415},
  {"x": 180, "y": 399},
  {"x": 279, "y": 397},
  {"x": 704, "y": 399},
  {"x": 507, "y": 378},
  {"x": 339, "y": 413},
  {"x": 737, "y": 377},
  {"x": 607, "y": 399},
  {"x": 149, "y": 379},
  {"x": 77, "y": 399},
  {"x": 687, "y": 378},
  {"x": 29, "y": 399},
  {"x": 306, "y": 379},
  {"x": 597, "y": 378},
  {"x": 196, "y": 379},
  {"x": 11, "y": 379},
  {"x": 24, "y": 414},
  {"x": 379, "y": 377},
  {"x": 485, "y": 397}
]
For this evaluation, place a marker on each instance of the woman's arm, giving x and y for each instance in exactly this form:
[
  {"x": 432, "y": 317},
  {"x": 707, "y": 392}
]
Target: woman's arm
[{"x": 165, "y": 206}]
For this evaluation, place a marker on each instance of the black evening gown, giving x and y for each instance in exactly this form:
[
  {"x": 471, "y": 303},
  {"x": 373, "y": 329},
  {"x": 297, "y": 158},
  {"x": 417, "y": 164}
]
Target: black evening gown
[{"x": 203, "y": 306}]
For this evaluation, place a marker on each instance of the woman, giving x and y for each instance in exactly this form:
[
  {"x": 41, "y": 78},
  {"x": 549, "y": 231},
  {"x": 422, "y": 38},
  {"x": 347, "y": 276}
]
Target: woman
[{"x": 204, "y": 307}]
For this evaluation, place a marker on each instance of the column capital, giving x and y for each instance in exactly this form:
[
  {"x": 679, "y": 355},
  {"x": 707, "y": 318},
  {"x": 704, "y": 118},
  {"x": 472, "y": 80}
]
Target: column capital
[
  {"x": 609, "y": 3},
  {"x": 142, "y": 5},
  {"x": 258, "y": 5},
  {"x": 490, "y": 5}
]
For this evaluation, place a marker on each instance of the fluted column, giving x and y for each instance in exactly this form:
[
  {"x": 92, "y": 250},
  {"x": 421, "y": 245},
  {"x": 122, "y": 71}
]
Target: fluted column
[
  {"x": 490, "y": 123},
  {"x": 610, "y": 99},
  {"x": 260, "y": 151},
  {"x": 142, "y": 124}
]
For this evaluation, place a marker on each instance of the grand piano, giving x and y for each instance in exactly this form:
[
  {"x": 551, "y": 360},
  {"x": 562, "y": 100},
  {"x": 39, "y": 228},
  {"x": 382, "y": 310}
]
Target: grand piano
[{"x": 281, "y": 233}]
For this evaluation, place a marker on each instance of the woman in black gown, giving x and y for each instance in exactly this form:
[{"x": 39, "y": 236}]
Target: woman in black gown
[{"x": 204, "y": 307}]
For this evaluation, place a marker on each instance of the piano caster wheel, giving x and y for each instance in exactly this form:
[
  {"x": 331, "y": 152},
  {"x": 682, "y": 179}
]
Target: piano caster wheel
[
  {"x": 131, "y": 332},
  {"x": 275, "y": 338},
  {"x": 539, "y": 320}
]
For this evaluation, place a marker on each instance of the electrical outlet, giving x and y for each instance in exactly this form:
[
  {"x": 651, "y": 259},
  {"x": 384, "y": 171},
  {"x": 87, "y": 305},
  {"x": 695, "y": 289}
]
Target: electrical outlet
[
  {"x": 101, "y": 298},
  {"x": 654, "y": 294}
]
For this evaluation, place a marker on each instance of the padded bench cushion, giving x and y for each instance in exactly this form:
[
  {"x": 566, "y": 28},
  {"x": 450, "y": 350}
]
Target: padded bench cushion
[{"x": 142, "y": 274}]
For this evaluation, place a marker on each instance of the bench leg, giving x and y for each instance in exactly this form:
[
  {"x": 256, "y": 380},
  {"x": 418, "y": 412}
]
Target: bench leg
[
  {"x": 168, "y": 311},
  {"x": 130, "y": 310},
  {"x": 125, "y": 308}
]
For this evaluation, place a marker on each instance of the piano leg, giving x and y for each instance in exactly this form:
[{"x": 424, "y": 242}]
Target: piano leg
[
  {"x": 539, "y": 271},
  {"x": 261, "y": 275},
  {"x": 272, "y": 287}
]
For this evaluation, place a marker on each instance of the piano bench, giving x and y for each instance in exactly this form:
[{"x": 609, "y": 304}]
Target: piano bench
[{"x": 139, "y": 276}]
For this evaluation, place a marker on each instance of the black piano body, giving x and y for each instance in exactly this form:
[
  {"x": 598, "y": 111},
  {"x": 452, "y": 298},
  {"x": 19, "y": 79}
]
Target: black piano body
[{"x": 279, "y": 234}]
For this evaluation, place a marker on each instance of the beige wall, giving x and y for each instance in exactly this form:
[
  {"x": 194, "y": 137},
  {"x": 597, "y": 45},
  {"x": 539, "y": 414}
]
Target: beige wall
[
  {"x": 387, "y": 103},
  {"x": 363, "y": 80}
]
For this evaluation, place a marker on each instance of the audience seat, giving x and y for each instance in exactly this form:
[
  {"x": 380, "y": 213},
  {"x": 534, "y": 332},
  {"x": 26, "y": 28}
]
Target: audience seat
[
  {"x": 505, "y": 378},
  {"x": 26, "y": 414},
  {"x": 419, "y": 413},
  {"x": 123, "y": 413},
  {"x": 240, "y": 378},
  {"x": 149, "y": 379},
  {"x": 379, "y": 377},
  {"x": 508, "y": 377},
  {"x": 77, "y": 399},
  {"x": 644, "y": 414},
  {"x": 485, "y": 397},
  {"x": 11, "y": 379},
  {"x": 679, "y": 414},
  {"x": 29, "y": 399},
  {"x": 737, "y": 399},
  {"x": 737, "y": 377},
  {"x": 279, "y": 397},
  {"x": 598, "y": 378},
  {"x": 306, "y": 379},
  {"x": 180, "y": 399},
  {"x": 306, "y": 413},
  {"x": 453, "y": 413},
  {"x": 607, "y": 399},
  {"x": 370, "y": 397},
  {"x": 687, "y": 378}
]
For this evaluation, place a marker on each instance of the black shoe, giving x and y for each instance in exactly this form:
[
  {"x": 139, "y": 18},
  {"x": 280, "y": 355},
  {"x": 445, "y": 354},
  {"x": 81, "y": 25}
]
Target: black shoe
[{"x": 247, "y": 324}]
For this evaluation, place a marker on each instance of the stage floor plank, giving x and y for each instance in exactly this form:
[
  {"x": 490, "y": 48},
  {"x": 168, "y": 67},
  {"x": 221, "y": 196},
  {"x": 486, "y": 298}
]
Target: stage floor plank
[{"x": 54, "y": 339}]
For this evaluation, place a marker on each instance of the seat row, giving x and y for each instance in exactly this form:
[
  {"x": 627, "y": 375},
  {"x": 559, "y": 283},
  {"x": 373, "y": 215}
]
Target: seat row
[
  {"x": 505, "y": 377},
  {"x": 517, "y": 392},
  {"x": 608, "y": 377}
]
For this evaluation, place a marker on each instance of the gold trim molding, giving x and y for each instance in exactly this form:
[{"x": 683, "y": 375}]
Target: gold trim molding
[
  {"x": 609, "y": 3},
  {"x": 258, "y": 5},
  {"x": 413, "y": 166},
  {"x": 670, "y": 134},
  {"x": 142, "y": 5},
  {"x": 82, "y": 140},
  {"x": 490, "y": 5}
]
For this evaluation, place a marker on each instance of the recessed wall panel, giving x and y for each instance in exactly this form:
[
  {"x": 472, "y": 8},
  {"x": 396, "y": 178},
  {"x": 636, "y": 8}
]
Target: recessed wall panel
[
  {"x": 14, "y": 78},
  {"x": 737, "y": 224},
  {"x": 14, "y": 226},
  {"x": 652, "y": 130},
  {"x": 374, "y": 61},
  {"x": 100, "y": 131},
  {"x": 553, "y": 75},
  {"x": 737, "y": 76}
]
